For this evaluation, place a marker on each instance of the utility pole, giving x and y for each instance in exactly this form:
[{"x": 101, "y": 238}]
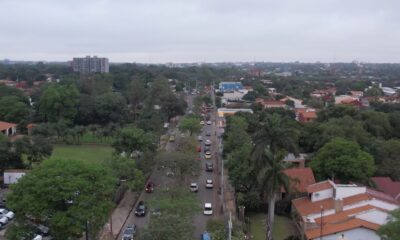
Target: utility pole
[{"x": 230, "y": 226}]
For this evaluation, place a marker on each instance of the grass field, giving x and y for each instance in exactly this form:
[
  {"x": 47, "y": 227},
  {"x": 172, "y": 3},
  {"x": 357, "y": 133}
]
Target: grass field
[
  {"x": 283, "y": 227},
  {"x": 91, "y": 153}
]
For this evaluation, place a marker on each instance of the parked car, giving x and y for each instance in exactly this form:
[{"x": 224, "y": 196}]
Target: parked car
[
  {"x": 3, "y": 220},
  {"x": 150, "y": 187},
  {"x": 8, "y": 214},
  {"x": 194, "y": 187},
  {"x": 38, "y": 237},
  {"x": 172, "y": 138},
  {"x": 209, "y": 183},
  {"x": 208, "y": 155},
  {"x": 129, "y": 232},
  {"x": 209, "y": 167},
  {"x": 200, "y": 138},
  {"x": 156, "y": 212},
  {"x": 141, "y": 209},
  {"x": 207, "y": 142},
  {"x": 201, "y": 122},
  {"x": 208, "y": 133},
  {"x": 206, "y": 149},
  {"x": 198, "y": 149},
  {"x": 208, "y": 209},
  {"x": 209, "y": 122},
  {"x": 170, "y": 174},
  {"x": 205, "y": 236}
]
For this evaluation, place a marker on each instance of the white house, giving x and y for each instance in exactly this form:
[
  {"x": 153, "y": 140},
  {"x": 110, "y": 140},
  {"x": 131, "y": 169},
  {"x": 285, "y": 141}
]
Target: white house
[
  {"x": 8, "y": 129},
  {"x": 342, "y": 210}
]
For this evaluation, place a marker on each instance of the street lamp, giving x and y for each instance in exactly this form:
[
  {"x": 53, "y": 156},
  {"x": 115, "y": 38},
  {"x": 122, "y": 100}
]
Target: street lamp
[{"x": 322, "y": 222}]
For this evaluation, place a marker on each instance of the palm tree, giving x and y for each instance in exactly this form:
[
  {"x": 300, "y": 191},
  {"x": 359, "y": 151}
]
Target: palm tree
[
  {"x": 271, "y": 180},
  {"x": 276, "y": 133}
]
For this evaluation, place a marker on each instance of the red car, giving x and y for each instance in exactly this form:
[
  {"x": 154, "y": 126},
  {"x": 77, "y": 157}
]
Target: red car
[
  {"x": 150, "y": 187},
  {"x": 198, "y": 149}
]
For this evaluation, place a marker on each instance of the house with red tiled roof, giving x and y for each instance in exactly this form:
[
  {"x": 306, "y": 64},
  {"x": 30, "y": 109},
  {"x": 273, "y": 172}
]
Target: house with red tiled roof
[
  {"x": 300, "y": 179},
  {"x": 388, "y": 186},
  {"x": 270, "y": 103},
  {"x": 8, "y": 129},
  {"x": 305, "y": 115},
  {"x": 334, "y": 210}
]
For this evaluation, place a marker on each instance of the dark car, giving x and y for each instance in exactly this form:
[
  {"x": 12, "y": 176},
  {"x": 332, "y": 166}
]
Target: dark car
[
  {"x": 129, "y": 232},
  {"x": 208, "y": 133},
  {"x": 209, "y": 167},
  {"x": 207, "y": 148},
  {"x": 150, "y": 187},
  {"x": 141, "y": 209}
]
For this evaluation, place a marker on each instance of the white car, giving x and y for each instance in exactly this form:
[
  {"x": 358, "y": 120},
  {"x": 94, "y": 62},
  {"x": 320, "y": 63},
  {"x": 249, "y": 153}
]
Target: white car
[
  {"x": 208, "y": 209},
  {"x": 207, "y": 142},
  {"x": 208, "y": 155},
  {"x": 38, "y": 237},
  {"x": 209, "y": 183},
  {"x": 202, "y": 123},
  {"x": 200, "y": 138},
  {"x": 8, "y": 214},
  {"x": 209, "y": 122},
  {"x": 194, "y": 187},
  {"x": 3, "y": 220}
]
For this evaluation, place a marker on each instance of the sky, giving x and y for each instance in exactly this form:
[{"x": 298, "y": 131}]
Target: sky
[{"x": 160, "y": 31}]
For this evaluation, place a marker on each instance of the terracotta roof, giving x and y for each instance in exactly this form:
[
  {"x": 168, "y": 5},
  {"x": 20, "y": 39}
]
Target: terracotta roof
[
  {"x": 16, "y": 170},
  {"x": 302, "y": 178},
  {"x": 6, "y": 125},
  {"x": 319, "y": 186},
  {"x": 309, "y": 114},
  {"x": 340, "y": 227},
  {"x": 386, "y": 185}
]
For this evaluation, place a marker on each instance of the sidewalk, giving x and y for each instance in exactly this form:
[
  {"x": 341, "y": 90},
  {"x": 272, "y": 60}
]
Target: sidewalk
[{"x": 119, "y": 216}]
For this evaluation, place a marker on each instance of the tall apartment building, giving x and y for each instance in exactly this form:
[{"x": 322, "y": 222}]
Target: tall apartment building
[{"x": 90, "y": 65}]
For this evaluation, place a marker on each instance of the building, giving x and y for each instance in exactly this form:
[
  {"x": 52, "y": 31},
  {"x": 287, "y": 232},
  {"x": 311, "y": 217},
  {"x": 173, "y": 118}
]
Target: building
[
  {"x": 230, "y": 86},
  {"x": 296, "y": 161},
  {"x": 388, "y": 186},
  {"x": 305, "y": 115},
  {"x": 223, "y": 112},
  {"x": 334, "y": 210},
  {"x": 89, "y": 64},
  {"x": 270, "y": 103},
  {"x": 300, "y": 179},
  {"x": 8, "y": 129}
]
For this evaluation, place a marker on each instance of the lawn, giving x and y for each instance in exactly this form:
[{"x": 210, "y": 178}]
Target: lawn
[
  {"x": 91, "y": 153},
  {"x": 283, "y": 227}
]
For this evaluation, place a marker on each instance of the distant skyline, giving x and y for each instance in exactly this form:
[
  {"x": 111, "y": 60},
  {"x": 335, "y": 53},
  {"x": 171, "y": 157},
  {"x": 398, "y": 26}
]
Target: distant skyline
[{"x": 160, "y": 31}]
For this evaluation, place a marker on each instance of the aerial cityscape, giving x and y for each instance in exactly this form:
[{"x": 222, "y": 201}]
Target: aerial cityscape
[{"x": 210, "y": 120}]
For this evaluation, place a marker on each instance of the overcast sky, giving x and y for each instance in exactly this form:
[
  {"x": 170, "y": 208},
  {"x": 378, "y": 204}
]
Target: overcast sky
[{"x": 201, "y": 30}]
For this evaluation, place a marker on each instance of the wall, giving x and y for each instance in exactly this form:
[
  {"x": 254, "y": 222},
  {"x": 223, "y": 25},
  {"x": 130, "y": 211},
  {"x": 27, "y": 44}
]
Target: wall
[
  {"x": 12, "y": 177},
  {"x": 374, "y": 216},
  {"x": 353, "y": 234},
  {"x": 324, "y": 194},
  {"x": 343, "y": 192}
]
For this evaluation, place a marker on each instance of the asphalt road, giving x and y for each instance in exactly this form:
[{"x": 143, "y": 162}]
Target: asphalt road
[{"x": 204, "y": 195}]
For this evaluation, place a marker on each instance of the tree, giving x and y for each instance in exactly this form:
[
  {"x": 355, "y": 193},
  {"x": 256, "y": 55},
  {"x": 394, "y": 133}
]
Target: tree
[
  {"x": 377, "y": 123},
  {"x": 172, "y": 106},
  {"x": 131, "y": 139},
  {"x": 391, "y": 230},
  {"x": 64, "y": 195},
  {"x": 184, "y": 164},
  {"x": 10, "y": 157},
  {"x": 271, "y": 179},
  {"x": 374, "y": 92},
  {"x": 191, "y": 124},
  {"x": 125, "y": 169},
  {"x": 12, "y": 109},
  {"x": 136, "y": 95},
  {"x": 110, "y": 108},
  {"x": 36, "y": 148},
  {"x": 387, "y": 157},
  {"x": 344, "y": 160},
  {"x": 276, "y": 133}
]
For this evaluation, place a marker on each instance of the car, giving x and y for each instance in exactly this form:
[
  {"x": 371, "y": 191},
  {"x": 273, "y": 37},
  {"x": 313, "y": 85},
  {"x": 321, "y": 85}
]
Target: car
[
  {"x": 207, "y": 149},
  {"x": 172, "y": 138},
  {"x": 141, "y": 209},
  {"x": 201, "y": 122},
  {"x": 170, "y": 174},
  {"x": 207, "y": 142},
  {"x": 156, "y": 212},
  {"x": 209, "y": 167},
  {"x": 208, "y": 155},
  {"x": 209, "y": 122},
  {"x": 38, "y": 237},
  {"x": 208, "y": 209},
  {"x": 42, "y": 230},
  {"x": 3, "y": 220},
  {"x": 205, "y": 236},
  {"x": 129, "y": 232},
  {"x": 209, "y": 183},
  {"x": 198, "y": 149},
  {"x": 194, "y": 187},
  {"x": 200, "y": 138},
  {"x": 150, "y": 187},
  {"x": 8, "y": 214},
  {"x": 208, "y": 133}
]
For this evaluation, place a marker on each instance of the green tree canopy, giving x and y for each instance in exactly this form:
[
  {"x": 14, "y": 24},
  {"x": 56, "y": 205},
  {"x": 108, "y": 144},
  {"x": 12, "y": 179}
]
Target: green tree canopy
[
  {"x": 13, "y": 109},
  {"x": 64, "y": 195},
  {"x": 191, "y": 124},
  {"x": 344, "y": 160},
  {"x": 131, "y": 139},
  {"x": 125, "y": 169},
  {"x": 391, "y": 230}
]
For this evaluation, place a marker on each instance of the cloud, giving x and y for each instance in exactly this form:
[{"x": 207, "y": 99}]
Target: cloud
[{"x": 201, "y": 30}]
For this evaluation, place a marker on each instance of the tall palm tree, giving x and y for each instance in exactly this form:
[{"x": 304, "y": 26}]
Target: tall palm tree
[
  {"x": 276, "y": 133},
  {"x": 271, "y": 180}
]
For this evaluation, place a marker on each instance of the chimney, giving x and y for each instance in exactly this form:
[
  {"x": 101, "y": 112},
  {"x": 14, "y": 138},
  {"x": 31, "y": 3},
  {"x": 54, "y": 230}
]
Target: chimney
[{"x": 338, "y": 205}]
